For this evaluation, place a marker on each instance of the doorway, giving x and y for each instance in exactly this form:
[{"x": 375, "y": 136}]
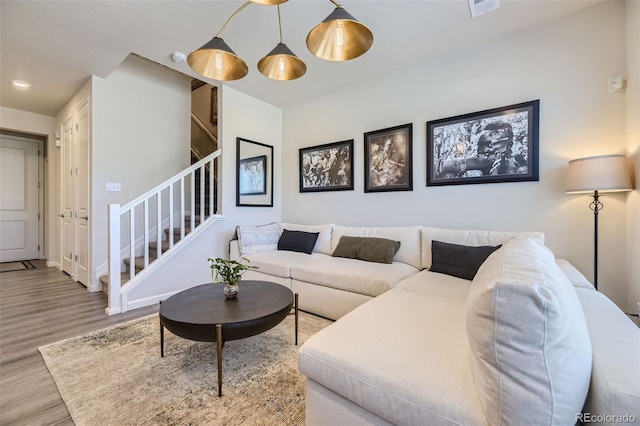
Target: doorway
[
  {"x": 75, "y": 214},
  {"x": 21, "y": 197}
]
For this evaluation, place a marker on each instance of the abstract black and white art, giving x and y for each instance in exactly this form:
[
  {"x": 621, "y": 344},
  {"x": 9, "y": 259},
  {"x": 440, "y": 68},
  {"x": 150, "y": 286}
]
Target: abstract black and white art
[
  {"x": 327, "y": 167},
  {"x": 496, "y": 145},
  {"x": 388, "y": 159},
  {"x": 252, "y": 177}
]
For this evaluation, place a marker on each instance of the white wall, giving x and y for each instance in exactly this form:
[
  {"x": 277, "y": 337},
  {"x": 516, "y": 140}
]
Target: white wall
[
  {"x": 36, "y": 124},
  {"x": 244, "y": 116},
  {"x": 564, "y": 63},
  {"x": 141, "y": 134},
  {"x": 633, "y": 150}
]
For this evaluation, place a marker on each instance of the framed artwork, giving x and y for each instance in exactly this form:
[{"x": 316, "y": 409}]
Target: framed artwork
[
  {"x": 214, "y": 105},
  {"x": 496, "y": 145},
  {"x": 253, "y": 179},
  {"x": 388, "y": 159},
  {"x": 327, "y": 167},
  {"x": 254, "y": 173}
]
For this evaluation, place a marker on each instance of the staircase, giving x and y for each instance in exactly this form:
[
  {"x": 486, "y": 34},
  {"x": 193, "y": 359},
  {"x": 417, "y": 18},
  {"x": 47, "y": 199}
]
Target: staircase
[{"x": 153, "y": 225}]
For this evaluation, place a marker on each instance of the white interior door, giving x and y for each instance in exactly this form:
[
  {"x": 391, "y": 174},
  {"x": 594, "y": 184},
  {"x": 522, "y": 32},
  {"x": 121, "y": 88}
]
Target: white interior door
[
  {"x": 67, "y": 198},
  {"x": 18, "y": 199},
  {"x": 81, "y": 219}
]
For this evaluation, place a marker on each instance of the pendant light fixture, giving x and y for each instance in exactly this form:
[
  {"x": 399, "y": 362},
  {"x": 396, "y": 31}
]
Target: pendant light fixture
[
  {"x": 216, "y": 60},
  {"x": 281, "y": 63},
  {"x": 340, "y": 37},
  {"x": 269, "y": 2}
]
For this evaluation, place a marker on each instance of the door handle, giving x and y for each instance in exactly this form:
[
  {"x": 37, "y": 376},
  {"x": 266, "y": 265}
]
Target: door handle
[
  {"x": 61, "y": 215},
  {"x": 84, "y": 217}
]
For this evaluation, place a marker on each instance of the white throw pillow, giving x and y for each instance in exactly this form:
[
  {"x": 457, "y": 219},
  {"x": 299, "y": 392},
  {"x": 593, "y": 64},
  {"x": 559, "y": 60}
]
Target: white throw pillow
[
  {"x": 256, "y": 239},
  {"x": 529, "y": 339}
]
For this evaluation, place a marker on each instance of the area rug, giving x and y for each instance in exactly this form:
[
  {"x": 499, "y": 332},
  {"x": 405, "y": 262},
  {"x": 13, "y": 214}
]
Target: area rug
[
  {"x": 16, "y": 266},
  {"x": 116, "y": 376}
]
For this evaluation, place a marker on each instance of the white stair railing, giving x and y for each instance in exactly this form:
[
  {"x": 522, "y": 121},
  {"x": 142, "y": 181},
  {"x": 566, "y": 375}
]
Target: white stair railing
[{"x": 142, "y": 221}]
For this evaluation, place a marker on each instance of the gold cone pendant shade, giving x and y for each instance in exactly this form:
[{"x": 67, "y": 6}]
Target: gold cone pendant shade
[
  {"x": 282, "y": 64},
  {"x": 340, "y": 37},
  {"x": 217, "y": 61},
  {"x": 268, "y": 2}
]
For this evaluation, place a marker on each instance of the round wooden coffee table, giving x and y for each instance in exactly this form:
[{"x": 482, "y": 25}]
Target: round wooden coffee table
[{"x": 203, "y": 313}]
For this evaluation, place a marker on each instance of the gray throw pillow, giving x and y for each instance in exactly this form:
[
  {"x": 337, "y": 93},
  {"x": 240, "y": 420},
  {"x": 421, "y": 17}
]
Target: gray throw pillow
[
  {"x": 458, "y": 260},
  {"x": 369, "y": 249},
  {"x": 300, "y": 241}
]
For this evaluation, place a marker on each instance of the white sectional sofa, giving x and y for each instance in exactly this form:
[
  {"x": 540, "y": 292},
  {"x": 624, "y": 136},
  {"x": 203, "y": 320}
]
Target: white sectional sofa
[{"x": 527, "y": 341}]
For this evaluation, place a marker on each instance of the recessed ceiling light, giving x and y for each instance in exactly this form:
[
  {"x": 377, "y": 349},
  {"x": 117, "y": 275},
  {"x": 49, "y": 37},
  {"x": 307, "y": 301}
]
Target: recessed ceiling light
[{"x": 20, "y": 84}]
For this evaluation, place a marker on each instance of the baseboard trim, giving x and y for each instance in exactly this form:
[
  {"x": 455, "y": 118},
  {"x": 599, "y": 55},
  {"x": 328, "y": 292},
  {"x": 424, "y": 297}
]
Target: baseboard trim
[{"x": 148, "y": 301}]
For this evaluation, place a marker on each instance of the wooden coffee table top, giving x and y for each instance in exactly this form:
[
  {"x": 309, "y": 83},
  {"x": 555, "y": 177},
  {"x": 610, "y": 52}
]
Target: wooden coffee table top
[{"x": 195, "y": 312}]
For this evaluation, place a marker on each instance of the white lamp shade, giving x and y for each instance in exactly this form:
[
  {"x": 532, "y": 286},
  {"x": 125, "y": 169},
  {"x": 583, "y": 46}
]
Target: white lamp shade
[{"x": 604, "y": 173}]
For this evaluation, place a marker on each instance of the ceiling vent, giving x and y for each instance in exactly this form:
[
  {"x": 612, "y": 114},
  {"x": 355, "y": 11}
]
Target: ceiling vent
[{"x": 480, "y": 7}]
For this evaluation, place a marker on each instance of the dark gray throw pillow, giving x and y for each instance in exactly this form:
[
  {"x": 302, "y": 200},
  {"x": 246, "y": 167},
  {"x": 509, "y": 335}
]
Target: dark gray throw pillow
[
  {"x": 458, "y": 260},
  {"x": 369, "y": 249},
  {"x": 299, "y": 241}
]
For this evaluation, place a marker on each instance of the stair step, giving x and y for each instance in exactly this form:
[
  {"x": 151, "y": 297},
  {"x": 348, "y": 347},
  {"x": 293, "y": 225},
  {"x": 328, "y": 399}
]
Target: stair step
[
  {"x": 124, "y": 277},
  {"x": 187, "y": 219},
  {"x": 176, "y": 233},
  {"x": 164, "y": 246},
  {"x": 139, "y": 262}
]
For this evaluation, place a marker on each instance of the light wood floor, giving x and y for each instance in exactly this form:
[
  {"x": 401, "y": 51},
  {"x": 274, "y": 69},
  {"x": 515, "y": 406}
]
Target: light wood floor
[{"x": 37, "y": 307}]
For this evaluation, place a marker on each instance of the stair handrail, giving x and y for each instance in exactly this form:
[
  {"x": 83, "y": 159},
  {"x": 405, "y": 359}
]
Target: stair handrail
[
  {"x": 195, "y": 151},
  {"x": 171, "y": 180},
  {"x": 204, "y": 128}
]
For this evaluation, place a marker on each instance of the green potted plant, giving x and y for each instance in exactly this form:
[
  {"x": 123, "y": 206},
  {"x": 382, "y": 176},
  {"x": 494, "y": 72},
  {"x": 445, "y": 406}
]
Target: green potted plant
[{"x": 229, "y": 272}]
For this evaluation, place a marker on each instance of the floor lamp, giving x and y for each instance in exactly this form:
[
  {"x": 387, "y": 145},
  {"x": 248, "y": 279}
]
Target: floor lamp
[{"x": 604, "y": 173}]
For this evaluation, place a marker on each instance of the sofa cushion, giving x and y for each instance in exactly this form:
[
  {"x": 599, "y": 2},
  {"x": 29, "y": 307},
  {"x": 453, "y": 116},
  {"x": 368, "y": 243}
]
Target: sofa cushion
[
  {"x": 369, "y": 249},
  {"x": 409, "y": 237},
  {"x": 256, "y": 239},
  {"x": 403, "y": 356},
  {"x": 467, "y": 238},
  {"x": 279, "y": 263},
  {"x": 458, "y": 260},
  {"x": 323, "y": 243},
  {"x": 615, "y": 342},
  {"x": 528, "y": 336},
  {"x": 436, "y": 284},
  {"x": 371, "y": 279},
  {"x": 299, "y": 241}
]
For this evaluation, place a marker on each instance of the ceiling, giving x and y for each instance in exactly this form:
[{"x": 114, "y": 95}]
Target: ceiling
[{"x": 57, "y": 45}]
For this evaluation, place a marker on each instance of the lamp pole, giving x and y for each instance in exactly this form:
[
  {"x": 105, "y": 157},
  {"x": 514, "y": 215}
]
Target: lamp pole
[{"x": 596, "y": 206}]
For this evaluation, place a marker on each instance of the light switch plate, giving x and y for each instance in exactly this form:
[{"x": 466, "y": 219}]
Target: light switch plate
[{"x": 114, "y": 186}]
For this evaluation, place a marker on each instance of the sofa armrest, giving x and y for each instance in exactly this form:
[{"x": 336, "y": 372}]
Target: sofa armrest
[
  {"x": 234, "y": 250},
  {"x": 615, "y": 377},
  {"x": 575, "y": 276}
]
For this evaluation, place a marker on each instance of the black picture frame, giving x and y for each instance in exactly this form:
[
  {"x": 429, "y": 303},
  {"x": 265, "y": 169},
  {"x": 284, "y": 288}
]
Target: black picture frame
[
  {"x": 491, "y": 146},
  {"x": 214, "y": 106},
  {"x": 252, "y": 176},
  {"x": 252, "y": 152},
  {"x": 327, "y": 167},
  {"x": 388, "y": 159}
]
